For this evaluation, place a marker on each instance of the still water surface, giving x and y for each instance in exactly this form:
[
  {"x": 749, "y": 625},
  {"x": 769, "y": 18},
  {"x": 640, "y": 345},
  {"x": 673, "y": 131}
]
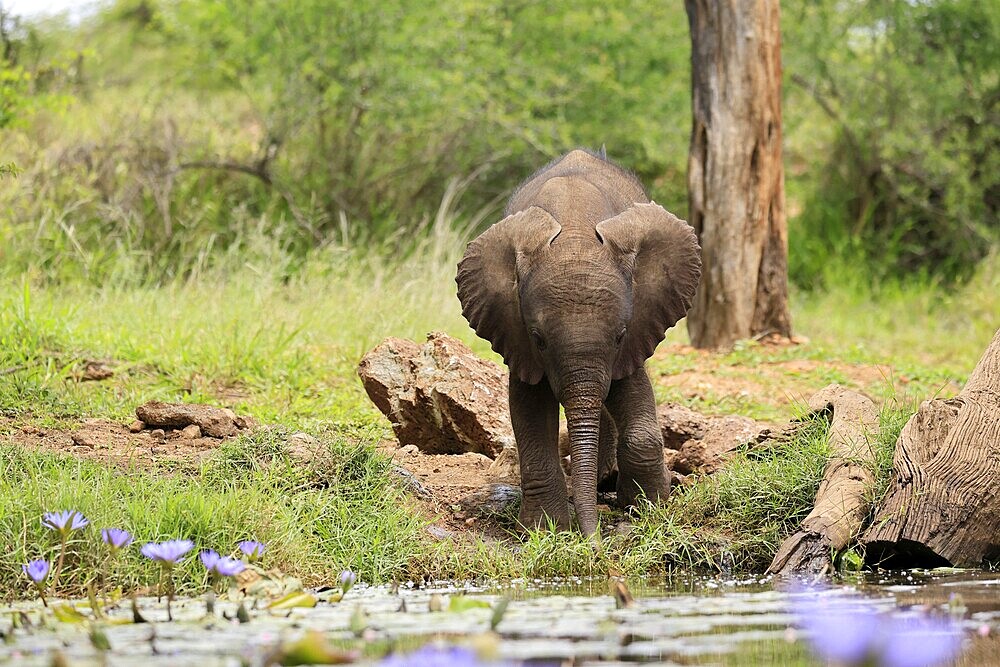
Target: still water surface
[{"x": 684, "y": 620}]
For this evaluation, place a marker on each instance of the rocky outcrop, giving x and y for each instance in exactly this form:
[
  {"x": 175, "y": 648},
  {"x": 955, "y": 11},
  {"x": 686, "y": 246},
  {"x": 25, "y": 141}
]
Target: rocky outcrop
[
  {"x": 702, "y": 444},
  {"x": 439, "y": 396}
]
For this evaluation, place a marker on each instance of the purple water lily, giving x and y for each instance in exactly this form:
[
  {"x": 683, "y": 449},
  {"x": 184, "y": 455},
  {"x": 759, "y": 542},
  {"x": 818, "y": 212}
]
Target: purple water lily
[
  {"x": 434, "y": 656},
  {"x": 253, "y": 549},
  {"x": 167, "y": 553},
  {"x": 116, "y": 538},
  {"x": 347, "y": 581},
  {"x": 848, "y": 631},
  {"x": 37, "y": 570},
  {"x": 221, "y": 566},
  {"x": 209, "y": 558},
  {"x": 65, "y": 521},
  {"x": 229, "y": 567}
]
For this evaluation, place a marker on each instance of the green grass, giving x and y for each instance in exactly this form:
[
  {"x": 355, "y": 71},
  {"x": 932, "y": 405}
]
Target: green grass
[
  {"x": 316, "y": 519},
  {"x": 283, "y": 347}
]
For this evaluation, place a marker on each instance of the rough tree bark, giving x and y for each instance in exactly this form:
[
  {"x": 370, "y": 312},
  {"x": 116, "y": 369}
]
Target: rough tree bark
[
  {"x": 736, "y": 184},
  {"x": 943, "y": 505},
  {"x": 842, "y": 501}
]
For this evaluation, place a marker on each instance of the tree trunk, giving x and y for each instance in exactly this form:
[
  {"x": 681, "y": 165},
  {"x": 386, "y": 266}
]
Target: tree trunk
[
  {"x": 736, "y": 184},
  {"x": 843, "y": 498},
  {"x": 943, "y": 505}
]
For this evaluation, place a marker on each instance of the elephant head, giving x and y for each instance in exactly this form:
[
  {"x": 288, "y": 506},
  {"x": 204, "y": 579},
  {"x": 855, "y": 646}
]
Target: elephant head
[{"x": 579, "y": 306}]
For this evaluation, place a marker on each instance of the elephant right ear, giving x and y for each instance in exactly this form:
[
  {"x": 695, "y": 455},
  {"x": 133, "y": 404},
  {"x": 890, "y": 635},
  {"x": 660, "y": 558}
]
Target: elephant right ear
[{"x": 488, "y": 285}]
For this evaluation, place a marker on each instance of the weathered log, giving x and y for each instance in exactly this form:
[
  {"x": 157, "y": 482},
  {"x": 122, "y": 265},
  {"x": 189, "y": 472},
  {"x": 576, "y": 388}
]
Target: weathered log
[
  {"x": 943, "y": 504},
  {"x": 841, "y": 501}
]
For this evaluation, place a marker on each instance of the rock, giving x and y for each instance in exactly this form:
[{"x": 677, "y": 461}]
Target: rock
[
  {"x": 505, "y": 467},
  {"x": 439, "y": 533},
  {"x": 439, "y": 396},
  {"x": 158, "y": 434},
  {"x": 136, "y": 426},
  {"x": 702, "y": 444},
  {"x": 214, "y": 422},
  {"x": 191, "y": 432},
  {"x": 83, "y": 439},
  {"x": 96, "y": 370},
  {"x": 410, "y": 483},
  {"x": 305, "y": 448},
  {"x": 495, "y": 501},
  {"x": 680, "y": 424}
]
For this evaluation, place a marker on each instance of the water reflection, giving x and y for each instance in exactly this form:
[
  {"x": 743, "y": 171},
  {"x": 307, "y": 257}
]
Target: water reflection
[{"x": 681, "y": 619}]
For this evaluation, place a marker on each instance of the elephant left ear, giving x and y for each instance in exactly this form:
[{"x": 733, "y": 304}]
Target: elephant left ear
[{"x": 662, "y": 254}]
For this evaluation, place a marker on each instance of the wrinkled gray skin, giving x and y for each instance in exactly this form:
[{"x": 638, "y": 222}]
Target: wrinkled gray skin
[{"x": 575, "y": 287}]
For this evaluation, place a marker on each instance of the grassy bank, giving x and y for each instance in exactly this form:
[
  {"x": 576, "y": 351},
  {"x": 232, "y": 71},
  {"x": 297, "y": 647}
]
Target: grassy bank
[{"x": 284, "y": 350}]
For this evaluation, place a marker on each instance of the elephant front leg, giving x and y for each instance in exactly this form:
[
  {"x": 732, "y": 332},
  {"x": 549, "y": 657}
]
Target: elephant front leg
[
  {"x": 534, "y": 414},
  {"x": 640, "y": 442}
]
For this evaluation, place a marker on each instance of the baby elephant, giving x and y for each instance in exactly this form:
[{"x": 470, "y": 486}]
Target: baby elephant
[{"x": 575, "y": 288}]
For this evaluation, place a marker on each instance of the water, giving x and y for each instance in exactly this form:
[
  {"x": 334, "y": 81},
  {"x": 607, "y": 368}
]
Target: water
[{"x": 689, "y": 620}]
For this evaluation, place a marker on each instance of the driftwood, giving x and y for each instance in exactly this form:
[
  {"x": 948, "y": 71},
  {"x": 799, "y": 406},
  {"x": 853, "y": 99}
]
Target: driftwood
[
  {"x": 943, "y": 505},
  {"x": 841, "y": 502}
]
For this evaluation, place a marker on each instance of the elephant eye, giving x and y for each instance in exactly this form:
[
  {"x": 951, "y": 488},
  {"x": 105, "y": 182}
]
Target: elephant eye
[
  {"x": 620, "y": 338},
  {"x": 538, "y": 340}
]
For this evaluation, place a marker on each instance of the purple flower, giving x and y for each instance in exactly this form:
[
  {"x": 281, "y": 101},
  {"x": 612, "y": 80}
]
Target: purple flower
[
  {"x": 116, "y": 538},
  {"x": 209, "y": 558},
  {"x": 167, "y": 553},
  {"x": 37, "y": 570},
  {"x": 434, "y": 656},
  {"x": 221, "y": 566},
  {"x": 839, "y": 630},
  {"x": 844, "y": 631},
  {"x": 253, "y": 549},
  {"x": 920, "y": 641},
  {"x": 347, "y": 580},
  {"x": 64, "y": 522},
  {"x": 229, "y": 567}
]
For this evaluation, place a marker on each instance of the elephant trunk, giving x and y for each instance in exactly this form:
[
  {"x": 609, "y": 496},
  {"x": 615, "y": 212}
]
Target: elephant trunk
[{"x": 583, "y": 417}]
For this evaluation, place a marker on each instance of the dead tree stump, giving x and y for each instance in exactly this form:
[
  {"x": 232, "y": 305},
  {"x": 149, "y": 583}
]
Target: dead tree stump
[
  {"x": 841, "y": 502},
  {"x": 943, "y": 504}
]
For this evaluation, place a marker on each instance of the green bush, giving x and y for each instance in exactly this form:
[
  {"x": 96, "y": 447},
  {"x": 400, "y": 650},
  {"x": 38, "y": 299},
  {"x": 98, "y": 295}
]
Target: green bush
[{"x": 186, "y": 131}]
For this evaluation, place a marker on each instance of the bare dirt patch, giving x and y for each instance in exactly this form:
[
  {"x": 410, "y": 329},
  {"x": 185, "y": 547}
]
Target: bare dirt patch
[{"x": 106, "y": 441}]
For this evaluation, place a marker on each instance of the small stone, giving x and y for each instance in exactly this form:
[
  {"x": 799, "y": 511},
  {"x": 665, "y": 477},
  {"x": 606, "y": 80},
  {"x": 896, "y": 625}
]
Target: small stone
[
  {"x": 624, "y": 529},
  {"x": 498, "y": 501},
  {"x": 158, "y": 434},
  {"x": 136, "y": 426},
  {"x": 505, "y": 468},
  {"x": 84, "y": 440},
  {"x": 410, "y": 482},
  {"x": 409, "y": 450},
  {"x": 192, "y": 432},
  {"x": 439, "y": 533},
  {"x": 214, "y": 422}
]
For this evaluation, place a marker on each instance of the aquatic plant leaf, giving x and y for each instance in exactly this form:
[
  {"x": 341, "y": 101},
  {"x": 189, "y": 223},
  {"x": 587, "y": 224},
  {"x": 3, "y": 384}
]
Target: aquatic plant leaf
[
  {"x": 99, "y": 639},
  {"x": 499, "y": 609},
  {"x": 460, "y": 603},
  {"x": 313, "y": 649},
  {"x": 66, "y": 613},
  {"x": 292, "y": 600}
]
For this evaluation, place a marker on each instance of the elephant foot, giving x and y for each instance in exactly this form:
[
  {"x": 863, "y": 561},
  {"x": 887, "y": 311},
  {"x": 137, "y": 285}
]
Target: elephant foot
[
  {"x": 534, "y": 515},
  {"x": 654, "y": 488}
]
